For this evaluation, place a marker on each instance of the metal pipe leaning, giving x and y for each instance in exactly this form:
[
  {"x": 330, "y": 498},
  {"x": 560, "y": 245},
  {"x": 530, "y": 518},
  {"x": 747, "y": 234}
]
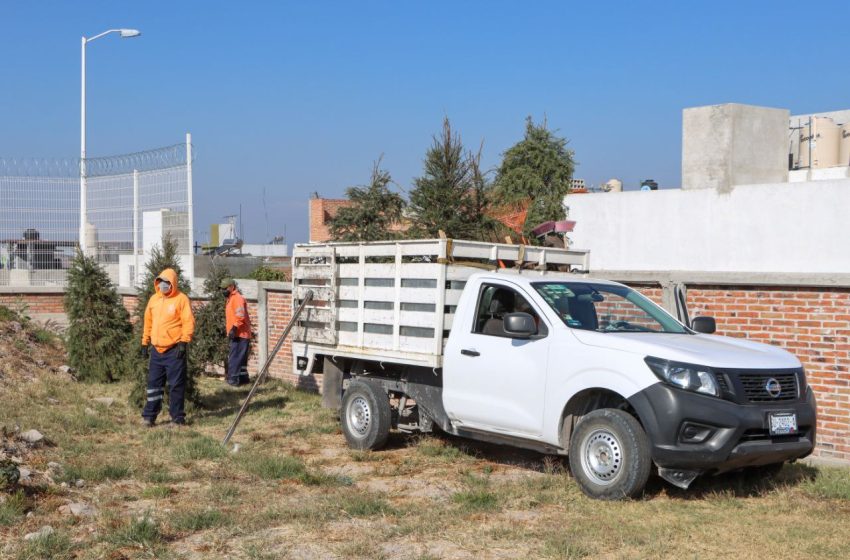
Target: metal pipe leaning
[{"x": 264, "y": 370}]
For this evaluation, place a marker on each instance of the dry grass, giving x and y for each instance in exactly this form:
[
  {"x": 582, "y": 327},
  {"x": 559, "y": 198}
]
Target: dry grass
[{"x": 294, "y": 490}]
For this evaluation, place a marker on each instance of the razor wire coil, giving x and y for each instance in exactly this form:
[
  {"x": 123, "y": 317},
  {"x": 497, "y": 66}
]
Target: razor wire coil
[{"x": 122, "y": 164}]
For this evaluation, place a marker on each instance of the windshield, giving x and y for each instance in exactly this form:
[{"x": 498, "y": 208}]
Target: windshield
[{"x": 602, "y": 308}]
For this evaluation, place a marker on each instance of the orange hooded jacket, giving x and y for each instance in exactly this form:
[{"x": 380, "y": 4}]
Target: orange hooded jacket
[
  {"x": 236, "y": 315},
  {"x": 168, "y": 318}
]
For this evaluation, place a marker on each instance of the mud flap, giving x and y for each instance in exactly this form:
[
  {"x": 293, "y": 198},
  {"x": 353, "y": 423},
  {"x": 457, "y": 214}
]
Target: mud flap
[{"x": 331, "y": 385}]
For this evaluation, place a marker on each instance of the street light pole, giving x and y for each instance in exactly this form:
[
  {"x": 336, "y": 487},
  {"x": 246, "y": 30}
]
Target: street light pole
[
  {"x": 83, "y": 186},
  {"x": 125, "y": 33}
]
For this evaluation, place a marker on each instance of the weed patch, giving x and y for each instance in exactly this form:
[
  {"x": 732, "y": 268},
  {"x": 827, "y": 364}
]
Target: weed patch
[
  {"x": 255, "y": 552},
  {"x": 96, "y": 473},
  {"x": 161, "y": 475},
  {"x": 156, "y": 492},
  {"x": 439, "y": 450},
  {"x": 833, "y": 484},
  {"x": 363, "y": 504},
  {"x": 274, "y": 468},
  {"x": 198, "y": 447},
  {"x": 361, "y": 549},
  {"x": 366, "y": 456},
  {"x": 43, "y": 336},
  {"x": 55, "y": 546},
  {"x": 13, "y": 508},
  {"x": 199, "y": 520},
  {"x": 476, "y": 500},
  {"x": 143, "y": 533},
  {"x": 224, "y": 492},
  {"x": 564, "y": 547}
]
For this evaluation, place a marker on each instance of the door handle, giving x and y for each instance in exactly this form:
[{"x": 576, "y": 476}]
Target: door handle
[{"x": 470, "y": 352}]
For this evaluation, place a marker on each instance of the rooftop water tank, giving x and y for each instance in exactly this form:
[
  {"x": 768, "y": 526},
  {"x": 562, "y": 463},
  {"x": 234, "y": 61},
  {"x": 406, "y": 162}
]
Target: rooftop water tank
[
  {"x": 616, "y": 185},
  {"x": 821, "y": 138},
  {"x": 844, "y": 146}
]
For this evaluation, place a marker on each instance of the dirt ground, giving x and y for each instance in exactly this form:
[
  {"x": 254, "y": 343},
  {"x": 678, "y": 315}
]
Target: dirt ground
[{"x": 288, "y": 487}]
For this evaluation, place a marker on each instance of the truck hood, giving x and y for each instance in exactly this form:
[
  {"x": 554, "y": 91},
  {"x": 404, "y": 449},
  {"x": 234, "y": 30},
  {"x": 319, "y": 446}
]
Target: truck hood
[{"x": 701, "y": 349}]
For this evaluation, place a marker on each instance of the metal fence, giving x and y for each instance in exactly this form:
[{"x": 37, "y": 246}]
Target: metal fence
[{"x": 132, "y": 201}]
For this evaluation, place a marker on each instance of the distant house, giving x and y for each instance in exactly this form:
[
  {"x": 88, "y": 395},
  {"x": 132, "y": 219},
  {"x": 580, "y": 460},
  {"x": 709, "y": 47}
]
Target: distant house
[{"x": 322, "y": 210}]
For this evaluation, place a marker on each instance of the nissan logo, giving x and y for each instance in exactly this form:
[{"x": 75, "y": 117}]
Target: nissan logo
[{"x": 773, "y": 388}]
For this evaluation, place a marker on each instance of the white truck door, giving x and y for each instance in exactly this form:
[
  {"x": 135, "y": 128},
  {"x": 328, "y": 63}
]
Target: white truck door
[{"x": 491, "y": 380}]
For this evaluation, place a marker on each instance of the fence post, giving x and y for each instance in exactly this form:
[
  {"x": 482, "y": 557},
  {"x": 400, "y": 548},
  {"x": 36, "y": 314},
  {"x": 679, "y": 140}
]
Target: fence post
[
  {"x": 190, "y": 265},
  {"x": 135, "y": 228}
]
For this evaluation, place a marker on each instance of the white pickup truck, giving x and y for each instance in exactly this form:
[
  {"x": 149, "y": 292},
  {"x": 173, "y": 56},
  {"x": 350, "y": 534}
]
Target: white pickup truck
[{"x": 486, "y": 341}]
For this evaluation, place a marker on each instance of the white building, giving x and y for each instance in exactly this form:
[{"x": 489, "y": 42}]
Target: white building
[{"x": 740, "y": 208}]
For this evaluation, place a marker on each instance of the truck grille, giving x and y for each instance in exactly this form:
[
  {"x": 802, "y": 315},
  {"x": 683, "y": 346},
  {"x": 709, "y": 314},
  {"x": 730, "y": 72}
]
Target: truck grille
[{"x": 755, "y": 386}]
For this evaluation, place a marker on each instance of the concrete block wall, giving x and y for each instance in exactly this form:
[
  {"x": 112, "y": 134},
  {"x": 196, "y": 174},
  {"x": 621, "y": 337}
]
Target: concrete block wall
[
  {"x": 733, "y": 144},
  {"x": 771, "y": 228}
]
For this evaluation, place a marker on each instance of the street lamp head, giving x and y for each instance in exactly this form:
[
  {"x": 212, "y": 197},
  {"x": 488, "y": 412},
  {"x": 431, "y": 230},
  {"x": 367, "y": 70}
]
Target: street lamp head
[{"x": 126, "y": 33}]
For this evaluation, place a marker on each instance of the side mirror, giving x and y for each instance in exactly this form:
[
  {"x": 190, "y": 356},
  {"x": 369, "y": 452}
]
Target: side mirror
[
  {"x": 519, "y": 325},
  {"x": 705, "y": 325}
]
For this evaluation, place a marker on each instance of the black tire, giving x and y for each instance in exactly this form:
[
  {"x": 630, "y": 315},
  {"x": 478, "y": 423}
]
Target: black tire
[
  {"x": 609, "y": 455},
  {"x": 365, "y": 416}
]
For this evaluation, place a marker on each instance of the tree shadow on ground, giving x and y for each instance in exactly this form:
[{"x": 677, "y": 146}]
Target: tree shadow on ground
[{"x": 227, "y": 401}]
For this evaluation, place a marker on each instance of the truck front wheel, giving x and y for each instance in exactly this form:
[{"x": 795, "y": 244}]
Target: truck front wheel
[
  {"x": 365, "y": 416},
  {"x": 609, "y": 455}
]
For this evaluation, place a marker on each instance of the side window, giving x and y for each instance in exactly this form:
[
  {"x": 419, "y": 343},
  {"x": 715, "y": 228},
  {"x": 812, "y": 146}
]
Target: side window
[{"x": 494, "y": 302}]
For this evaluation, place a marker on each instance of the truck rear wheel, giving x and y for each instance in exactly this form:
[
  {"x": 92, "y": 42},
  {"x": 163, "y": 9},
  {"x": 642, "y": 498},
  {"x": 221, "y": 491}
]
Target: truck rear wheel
[
  {"x": 609, "y": 455},
  {"x": 365, "y": 416}
]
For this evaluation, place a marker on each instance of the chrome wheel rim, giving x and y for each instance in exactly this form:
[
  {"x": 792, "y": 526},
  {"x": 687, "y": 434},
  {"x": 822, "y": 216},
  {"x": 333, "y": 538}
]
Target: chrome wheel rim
[
  {"x": 359, "y": 416},
  {"x": 601, "y": 457}
]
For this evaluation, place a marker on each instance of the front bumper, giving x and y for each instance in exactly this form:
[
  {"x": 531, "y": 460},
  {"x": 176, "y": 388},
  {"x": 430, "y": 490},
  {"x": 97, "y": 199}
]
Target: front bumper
[{"x": 738, "y": 437}]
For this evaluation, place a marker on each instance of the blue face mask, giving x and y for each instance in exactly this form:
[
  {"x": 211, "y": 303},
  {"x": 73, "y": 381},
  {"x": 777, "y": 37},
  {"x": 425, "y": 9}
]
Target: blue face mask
[{"x": 164, "y": 287}]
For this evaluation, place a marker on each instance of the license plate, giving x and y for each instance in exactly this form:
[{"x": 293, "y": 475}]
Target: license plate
[{"x": 782, "y": 424}]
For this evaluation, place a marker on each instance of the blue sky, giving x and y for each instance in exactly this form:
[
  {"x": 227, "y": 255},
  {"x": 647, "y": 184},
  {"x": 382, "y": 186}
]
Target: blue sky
[{"x": 297, "y": 97}]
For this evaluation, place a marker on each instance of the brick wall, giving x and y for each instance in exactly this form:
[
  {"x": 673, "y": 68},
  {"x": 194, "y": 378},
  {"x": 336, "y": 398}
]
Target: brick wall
[
  {"x": 279, "y": 311},
  {"x": 322, "y": 210},
  {"x": 813, "y": 324},
  {"x": 35, "y": 303},
  {"x": 130, "y": 303}
]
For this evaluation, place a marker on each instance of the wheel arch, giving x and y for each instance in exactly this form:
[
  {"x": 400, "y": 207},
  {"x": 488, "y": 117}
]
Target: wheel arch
[{"x": 588, "y": 400}]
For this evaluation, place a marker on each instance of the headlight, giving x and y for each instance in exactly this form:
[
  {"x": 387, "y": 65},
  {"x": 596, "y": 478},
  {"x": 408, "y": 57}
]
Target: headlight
[{"x": 699, "y": 379}]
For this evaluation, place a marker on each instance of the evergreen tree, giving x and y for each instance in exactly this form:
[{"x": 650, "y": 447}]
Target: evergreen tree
[
  {"x": 99, "y": 326},
  {"x": 210, "y": 344},
  {"x": 160, "y": 259},
  {"x": 448, "y": 196},
  {"x": 489, "y": 229},
  {"x": 537, "y": 170},
  {"x": 375, "y": 209}
]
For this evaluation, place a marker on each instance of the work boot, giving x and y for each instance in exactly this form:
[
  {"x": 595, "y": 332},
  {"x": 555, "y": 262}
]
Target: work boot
[
  {"x": 176, "y": 424},
  {"x": 148, "y": 422}
]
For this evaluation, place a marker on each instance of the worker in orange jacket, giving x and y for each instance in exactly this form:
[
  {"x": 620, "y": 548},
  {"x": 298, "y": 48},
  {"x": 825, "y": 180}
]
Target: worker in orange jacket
[
  {"x": 169, "y": 326},
  {"x": 238, "y": 327}
]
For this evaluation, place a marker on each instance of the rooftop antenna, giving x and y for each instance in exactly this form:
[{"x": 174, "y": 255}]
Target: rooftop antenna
[{"x": 266, "y": 212}]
